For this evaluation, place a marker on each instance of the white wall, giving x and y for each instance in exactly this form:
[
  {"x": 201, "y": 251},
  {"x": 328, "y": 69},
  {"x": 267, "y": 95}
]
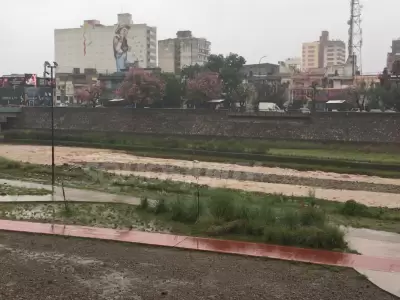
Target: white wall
[
  {"x": 69, "y": 47},
  {"x": 166, "y": 55}
]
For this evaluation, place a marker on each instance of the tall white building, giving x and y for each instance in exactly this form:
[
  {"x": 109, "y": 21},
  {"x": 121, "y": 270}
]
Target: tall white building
[
  {"x": 323, "y": 53},
  {"x": 335, "y": 53},
  {"x": 106, "y": 48},
  {"x": 184, "y": 50}
]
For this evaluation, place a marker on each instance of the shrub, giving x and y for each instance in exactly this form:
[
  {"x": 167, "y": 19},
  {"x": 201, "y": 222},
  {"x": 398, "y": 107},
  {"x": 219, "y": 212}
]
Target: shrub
[
  {"x": 352, "y": 208},
  {"x": 312, "y": 216},
  {"x": 279, "y": 235},
  {"x": 267, "y": 215},
  {"x": 222, "y": 206},
  {"x": 327, "y": 237},
  {"x": 160, "y": 207},
  {"x": 226, "y": 228},
  {"x": 290, "y": 218},
  {"x": 184, "y": 211},
  {"x": 177, "y": 210},
  {"x": 144, "y": 203}
]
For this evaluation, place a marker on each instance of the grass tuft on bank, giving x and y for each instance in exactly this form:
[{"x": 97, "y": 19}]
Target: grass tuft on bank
[{"x": 167, "y": 192}]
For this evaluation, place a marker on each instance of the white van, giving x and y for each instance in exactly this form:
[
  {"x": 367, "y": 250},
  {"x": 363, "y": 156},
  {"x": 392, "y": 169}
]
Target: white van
[{"x": 269, "y": 106}]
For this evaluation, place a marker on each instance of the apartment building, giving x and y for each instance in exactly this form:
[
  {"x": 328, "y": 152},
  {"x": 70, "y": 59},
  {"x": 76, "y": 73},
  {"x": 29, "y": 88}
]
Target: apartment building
[
  {"x": 334, "y": 53},
  {"x": 184, "y": 50},
  {"x": 323, "y": 53},
  {"x": 106, "y": 48},
  {"x": 393, "y": 55},
  {"x": 310, "y": 55}
]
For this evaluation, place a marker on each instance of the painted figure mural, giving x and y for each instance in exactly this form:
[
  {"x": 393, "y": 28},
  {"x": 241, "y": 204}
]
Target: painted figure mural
[{"x": 121, "y": 47}]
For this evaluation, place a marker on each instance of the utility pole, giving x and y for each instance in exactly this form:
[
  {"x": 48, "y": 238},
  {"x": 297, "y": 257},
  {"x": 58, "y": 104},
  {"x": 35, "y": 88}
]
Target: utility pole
[{"x": 47, "y": 65}]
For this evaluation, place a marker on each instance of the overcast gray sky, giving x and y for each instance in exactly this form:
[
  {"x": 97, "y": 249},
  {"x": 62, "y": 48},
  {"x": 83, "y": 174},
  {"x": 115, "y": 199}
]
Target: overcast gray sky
[{"x": 251, "y": 28}]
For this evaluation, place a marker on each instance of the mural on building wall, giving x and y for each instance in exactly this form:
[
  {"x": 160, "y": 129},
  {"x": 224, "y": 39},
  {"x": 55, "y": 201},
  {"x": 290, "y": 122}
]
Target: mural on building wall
[
  {"x": 121, "y": 47},
  {"x": 87, "y": 35}
]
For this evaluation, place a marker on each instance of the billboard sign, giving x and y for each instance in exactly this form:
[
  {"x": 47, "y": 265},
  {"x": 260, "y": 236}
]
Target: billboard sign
[
  {"x": 12, "y": 81},
  {"x": 40, "y": 81},
  {"x": 30, "y": 79}
]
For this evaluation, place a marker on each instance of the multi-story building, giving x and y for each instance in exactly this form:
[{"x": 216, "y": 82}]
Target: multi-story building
[
  {"x": 293, "y": 64},
  {"x": 334, "y": 53},
  {"x": 393, "y": 55},
  {"x": 184, "y": 50},
  {"x": 323, "y": 53},
  {"x": 68, "y": 83},
  {"x": 106, "y": 48},
  {"x": 310, "y": 55}
]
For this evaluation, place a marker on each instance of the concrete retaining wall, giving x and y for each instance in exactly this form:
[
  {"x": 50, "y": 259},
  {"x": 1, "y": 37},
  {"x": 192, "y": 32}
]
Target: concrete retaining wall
[{"x": 355, "y": 127}]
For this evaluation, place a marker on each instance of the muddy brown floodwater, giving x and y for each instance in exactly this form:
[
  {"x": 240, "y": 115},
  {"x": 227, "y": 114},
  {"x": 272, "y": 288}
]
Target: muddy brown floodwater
[
  {"x": 71, "y": 155},
  {"x": 44, "y": 267}
]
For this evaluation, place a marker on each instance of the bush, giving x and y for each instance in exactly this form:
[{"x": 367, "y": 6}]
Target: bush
[
  {"x": 226, "y": 228},
  {"x": 352, "y": 208},
  {"x": 312, "y": 217},
  {"x": 221, "y": 206},
  {"x": 144, "y": 203},
  {"x": 184, "y": 211},
  {"x": 326, "y": 237},
  {"x": 290, "y": 218},
  {"x": 160, "y": 207}
]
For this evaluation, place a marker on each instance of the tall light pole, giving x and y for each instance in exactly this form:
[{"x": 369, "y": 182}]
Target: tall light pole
[
  {"x": 259, "y": 64},
  {"x": 47, "y": 66}
]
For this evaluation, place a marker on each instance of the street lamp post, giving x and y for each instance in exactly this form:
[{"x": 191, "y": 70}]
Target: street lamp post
[
  {"x": 47, "y": 65},
  {"x": 259, "y": 64}
]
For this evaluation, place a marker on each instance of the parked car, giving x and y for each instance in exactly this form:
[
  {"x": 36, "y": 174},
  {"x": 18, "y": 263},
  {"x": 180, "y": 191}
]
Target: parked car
[
  {"x": 268, "y": 106},
  {"x": 304, "y": 110}
]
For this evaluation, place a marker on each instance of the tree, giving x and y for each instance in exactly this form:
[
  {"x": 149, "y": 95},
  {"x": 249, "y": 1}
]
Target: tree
[
  {"x": 204, "y": 87},
  {"x": 173, "y": 90},
  {"x": 314, "y": 86},
  {"x": 358, "y": 95},
  {"x": 229, "y": 69},
  {"x": 89, "y": 95},
  {"x": 141, "y": 87},
  {"x": 215, "y": 63},
  {"x": 387, "y": 94},
  {"x": 190, "y": 72}
]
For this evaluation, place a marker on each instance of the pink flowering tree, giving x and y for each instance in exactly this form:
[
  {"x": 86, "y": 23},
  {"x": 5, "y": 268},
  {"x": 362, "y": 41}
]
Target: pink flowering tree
[
  {"x": 204, "y": 87},
  {"x": 141, "y": 87},
  {"x": 89, "y": 95}
]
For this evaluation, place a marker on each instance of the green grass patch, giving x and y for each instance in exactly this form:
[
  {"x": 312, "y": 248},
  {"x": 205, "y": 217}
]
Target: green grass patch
[
  {"x": 9, "y": 190},
  {"x": 339, "y": 154},
  {"x": 215, "y": 203}
]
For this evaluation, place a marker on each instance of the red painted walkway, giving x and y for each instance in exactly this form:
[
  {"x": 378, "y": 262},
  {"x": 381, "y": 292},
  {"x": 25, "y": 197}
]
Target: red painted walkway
[{"x": 212, "y": 245}]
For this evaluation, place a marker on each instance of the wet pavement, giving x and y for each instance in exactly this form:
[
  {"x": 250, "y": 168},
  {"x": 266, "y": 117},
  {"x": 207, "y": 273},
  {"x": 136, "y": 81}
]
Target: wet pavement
[
  {"x": 382, "y": 264},
  {"x": 38, "y": 267},
  {"x": 77, "y": 195},
  {"x": 380, "y": 261},
  {"x": 377, "y": 243}
]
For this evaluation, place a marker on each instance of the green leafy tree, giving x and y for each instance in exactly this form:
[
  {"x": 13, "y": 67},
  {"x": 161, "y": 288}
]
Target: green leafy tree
[
  {"x": 173, "y": 90},
  {"x": 228, "y": 68},
  {"x": 190, "y": 72},
  {"x": 357, "y": 95}
]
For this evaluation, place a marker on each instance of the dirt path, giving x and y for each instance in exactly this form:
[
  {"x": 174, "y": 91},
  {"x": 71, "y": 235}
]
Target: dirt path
[
  {"x": 43, "y": 267},
  {"x": 69, "y": 155}
]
